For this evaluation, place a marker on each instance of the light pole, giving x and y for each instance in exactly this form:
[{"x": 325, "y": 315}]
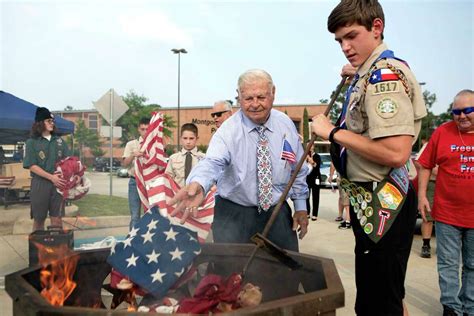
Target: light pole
[{"x": 179, "y": 52}]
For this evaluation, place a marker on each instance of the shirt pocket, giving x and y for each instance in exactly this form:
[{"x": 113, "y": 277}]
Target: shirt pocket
[
  {"x": 356, "y": 121},
  {"x": 281, "y": 173}
]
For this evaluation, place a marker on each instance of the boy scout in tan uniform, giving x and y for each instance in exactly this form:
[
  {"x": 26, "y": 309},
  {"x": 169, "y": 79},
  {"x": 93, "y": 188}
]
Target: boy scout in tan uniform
[{"x": 372, "y": 141}]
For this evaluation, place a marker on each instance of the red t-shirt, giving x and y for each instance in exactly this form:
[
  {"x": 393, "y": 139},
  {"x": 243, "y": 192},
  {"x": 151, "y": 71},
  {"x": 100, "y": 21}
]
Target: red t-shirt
[{"x": 454, "y": 153}]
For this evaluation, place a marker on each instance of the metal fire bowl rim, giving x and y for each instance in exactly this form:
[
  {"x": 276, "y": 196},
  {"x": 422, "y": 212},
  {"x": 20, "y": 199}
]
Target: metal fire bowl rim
[{"x": 320, "y": 301}]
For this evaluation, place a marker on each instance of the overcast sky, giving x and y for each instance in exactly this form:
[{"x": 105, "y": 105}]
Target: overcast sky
[{"x": 60, "y": 52}]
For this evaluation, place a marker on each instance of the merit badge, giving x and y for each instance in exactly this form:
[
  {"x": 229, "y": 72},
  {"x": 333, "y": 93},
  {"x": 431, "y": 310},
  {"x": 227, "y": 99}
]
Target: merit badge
[
  {"x": 369, "y": 211},
  {"x": 400, "y": 177},
  {"x": 368, "y": 228},
  {"x": 354, "y": 192},
  {"x": 387, "y": 108},
  {"x": 359, "y": 198},
  {"x": 41, "y": 155},
  {"x": 368, "y": 197},
  {"x": 60, "y": 153},
  {"x": 389, "y": 196},
  {"x": 363, "y": 221},
  {"x": 356, "y": 207},
  {"x": 353, "y": 201},
  {"x": 359, "y": 214},
  {"x": 363, "y": 205},
  {"x": 59, "y": 141}
]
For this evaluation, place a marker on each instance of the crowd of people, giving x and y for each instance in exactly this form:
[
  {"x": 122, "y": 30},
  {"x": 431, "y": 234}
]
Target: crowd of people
[{"x": 254, "y": 151}]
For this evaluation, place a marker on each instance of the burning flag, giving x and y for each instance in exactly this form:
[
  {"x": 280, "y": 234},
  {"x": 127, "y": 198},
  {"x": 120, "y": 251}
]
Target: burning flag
[{"x": 156, "y": 253}]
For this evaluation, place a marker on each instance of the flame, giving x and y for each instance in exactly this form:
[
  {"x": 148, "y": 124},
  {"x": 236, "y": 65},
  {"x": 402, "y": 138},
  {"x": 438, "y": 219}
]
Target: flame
[
  {"x": 86, "y": 221},
  {"x": 59, "y": 265}
]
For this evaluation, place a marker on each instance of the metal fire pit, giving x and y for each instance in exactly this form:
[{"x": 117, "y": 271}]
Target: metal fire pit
[{"x": 315, "y": 289}]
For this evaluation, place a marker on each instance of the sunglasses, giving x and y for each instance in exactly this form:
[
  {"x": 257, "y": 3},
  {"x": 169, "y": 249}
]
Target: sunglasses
[
  {"x": 466, "y": 111},
  {"x": 218, "y": 114}
]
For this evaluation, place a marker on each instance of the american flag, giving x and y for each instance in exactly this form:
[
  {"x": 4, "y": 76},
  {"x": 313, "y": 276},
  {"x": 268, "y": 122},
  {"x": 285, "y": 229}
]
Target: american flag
[
  {"x": 155, "y": 253},
  {"x": 153, "y": 162},
  {"x": 157, "y": 188},
  {"x": 287, "y": 152}
]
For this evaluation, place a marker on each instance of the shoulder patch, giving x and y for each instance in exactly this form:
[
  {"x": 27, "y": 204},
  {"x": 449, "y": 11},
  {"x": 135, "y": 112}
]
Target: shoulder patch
[
  {"x": 380, "y": 75},
  {"x": 387, "y": 108}
]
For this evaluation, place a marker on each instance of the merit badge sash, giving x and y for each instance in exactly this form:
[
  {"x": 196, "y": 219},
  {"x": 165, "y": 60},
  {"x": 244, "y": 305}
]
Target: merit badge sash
[{"x": 377, "y": 210}]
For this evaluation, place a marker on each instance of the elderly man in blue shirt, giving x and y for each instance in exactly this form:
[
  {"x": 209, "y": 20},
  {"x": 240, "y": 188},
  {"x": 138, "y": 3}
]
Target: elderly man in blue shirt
[{"x": 245, "y": 159}]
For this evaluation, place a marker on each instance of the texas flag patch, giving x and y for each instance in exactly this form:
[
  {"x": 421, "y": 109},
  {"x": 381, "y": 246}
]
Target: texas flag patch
[{"x": 381, "y": 75}]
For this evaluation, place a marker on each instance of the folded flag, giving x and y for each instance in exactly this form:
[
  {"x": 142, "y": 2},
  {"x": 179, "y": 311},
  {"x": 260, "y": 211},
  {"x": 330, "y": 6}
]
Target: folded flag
[
  {"x": 287, "y": 152},
  {"x": 155, "y": 253},
  {"x": 71, "y": 170},
  {"x": 381, "y": 75}
]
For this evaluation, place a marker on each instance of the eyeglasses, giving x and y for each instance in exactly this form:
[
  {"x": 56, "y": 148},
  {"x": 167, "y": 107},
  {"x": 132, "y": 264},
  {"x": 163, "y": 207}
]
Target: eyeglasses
[
  {"x": 50, "y": 121},
  {"x": 466, "y": 111},
  {"x": 218, "y": 114}
]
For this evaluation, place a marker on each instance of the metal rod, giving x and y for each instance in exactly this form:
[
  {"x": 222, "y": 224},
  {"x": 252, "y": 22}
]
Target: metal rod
[
  {"x": 178, "y": 141},
  {"x": 283, "y": 196},
  {"x": 111, "y": 138}
]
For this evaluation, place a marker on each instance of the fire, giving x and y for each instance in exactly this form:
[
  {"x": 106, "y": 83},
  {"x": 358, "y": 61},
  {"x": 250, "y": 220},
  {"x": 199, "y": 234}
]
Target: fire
[{"x": 59, "y": 265}]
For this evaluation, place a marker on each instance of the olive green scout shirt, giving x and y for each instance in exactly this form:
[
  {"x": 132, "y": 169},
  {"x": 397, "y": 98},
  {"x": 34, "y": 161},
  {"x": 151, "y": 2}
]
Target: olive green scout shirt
[{"x": 45, "y": 153}]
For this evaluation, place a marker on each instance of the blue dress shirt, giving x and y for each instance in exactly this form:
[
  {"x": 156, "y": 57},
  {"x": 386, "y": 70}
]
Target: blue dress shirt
[{"x": 231, "y": 161}]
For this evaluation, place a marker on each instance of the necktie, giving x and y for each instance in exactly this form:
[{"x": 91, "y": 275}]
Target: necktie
[
  {"x": 264, "y": 171},
  {"x": 342, "y": 123},
  {"x": 188, "y": 164}
]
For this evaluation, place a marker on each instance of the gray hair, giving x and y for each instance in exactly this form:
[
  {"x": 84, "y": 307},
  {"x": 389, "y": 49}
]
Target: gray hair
[
  {"x": 226, "y": 103},
  {"x": 462, "y": 93},
  {"x": 253, "y": 75}
]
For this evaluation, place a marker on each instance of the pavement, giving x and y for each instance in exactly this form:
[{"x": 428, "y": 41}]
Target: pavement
[{"x": 324, "y": 239}]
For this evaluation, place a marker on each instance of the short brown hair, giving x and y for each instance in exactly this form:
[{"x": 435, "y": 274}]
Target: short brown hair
[
  {"x": 38, "y": 128},
  {"x": 189, "y": 127},
  {"x": 362, "y": 12}
]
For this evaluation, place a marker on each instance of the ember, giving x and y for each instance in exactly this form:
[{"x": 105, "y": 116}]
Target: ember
[{"x": 56, "y": 275}]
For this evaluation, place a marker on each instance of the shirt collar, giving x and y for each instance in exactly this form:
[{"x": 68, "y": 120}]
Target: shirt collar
[
  {"x": 375, "y": 54},
  {"x": 193, "y": 151},
  {"x": 250, "y": 126}
]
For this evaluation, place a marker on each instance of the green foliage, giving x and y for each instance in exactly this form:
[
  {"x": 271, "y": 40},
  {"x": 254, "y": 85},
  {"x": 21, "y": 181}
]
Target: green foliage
[
  {"x": 337, "y": 107},
  {"x": 138, "y": 109},
  {"x": 85, "y": 137},
  {"x": 202, "y": 148},
  {"x": 305, "y": 126}
]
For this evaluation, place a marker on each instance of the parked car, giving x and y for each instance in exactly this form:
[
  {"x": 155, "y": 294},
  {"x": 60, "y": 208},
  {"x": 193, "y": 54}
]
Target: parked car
[
  {"x": 325, "y": 166},
  {"x": 122, "y": 173},
  {"x": 103, "y": 164}
]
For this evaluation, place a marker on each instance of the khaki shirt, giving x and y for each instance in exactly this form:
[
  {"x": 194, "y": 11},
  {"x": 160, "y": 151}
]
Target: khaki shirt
[
  {"x": 388, "y": 108},
  {"x": 175, "y": 167},
  {"x": 130, "y": 147}
]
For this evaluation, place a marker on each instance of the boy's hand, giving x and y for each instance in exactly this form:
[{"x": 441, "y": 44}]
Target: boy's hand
[
  {"x": 349, "y": 71},
  {"x": 188, "y": 200}
]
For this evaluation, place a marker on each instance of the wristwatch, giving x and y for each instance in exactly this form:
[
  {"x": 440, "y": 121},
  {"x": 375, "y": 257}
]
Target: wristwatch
[{"x": 333, "y": 131}]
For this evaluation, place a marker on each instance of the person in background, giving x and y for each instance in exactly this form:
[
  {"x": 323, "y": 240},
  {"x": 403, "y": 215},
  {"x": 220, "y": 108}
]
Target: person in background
[
  {"x": 245, "y": 159},
  {"x": 131, "y": 152},
  {"x": 451, "y": 148},
  {"x": 43, "y": 150},
  {"x": 342, "y": 202},
  {"x": 379, "y": 122},
  {"x": 180, "y": 164},
  {"x": 313, "y": 180},
  {"x": 221, "y": 111}
]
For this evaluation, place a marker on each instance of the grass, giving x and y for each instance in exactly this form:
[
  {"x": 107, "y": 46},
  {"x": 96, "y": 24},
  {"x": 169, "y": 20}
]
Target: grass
[{"x": 102, "y": 205}]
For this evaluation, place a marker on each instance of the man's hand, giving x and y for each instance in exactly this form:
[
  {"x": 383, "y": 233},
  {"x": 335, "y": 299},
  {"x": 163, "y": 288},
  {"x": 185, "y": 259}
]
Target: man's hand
[
  {"x": 57, "y": 181},
  {"x": 321, "y": 126},
  {"x": 188, "y": 200},
  {"x": 300, "y": 223},
  {"x": 423, "y": 207},
  {"x": 137, "y": 153}
]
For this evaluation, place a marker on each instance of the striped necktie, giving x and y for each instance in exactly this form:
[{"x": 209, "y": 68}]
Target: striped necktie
[{"x": 264, "y": 171}]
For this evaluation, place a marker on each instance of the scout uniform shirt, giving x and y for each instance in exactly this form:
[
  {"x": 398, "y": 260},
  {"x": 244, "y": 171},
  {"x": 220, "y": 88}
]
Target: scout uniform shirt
[
  {"x": 130, "y": 147},
  {"x": 45, "y": 153},
  {"x": 175, "y": 167},
  {"x": 388, "y": 105}
]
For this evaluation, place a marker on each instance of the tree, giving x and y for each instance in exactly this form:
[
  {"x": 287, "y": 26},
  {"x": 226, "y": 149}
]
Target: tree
[
  {"x": 137, "y": 110},
  {"x": 305, "y": 126},
  {"x": 85, "y": 137},
  {"x": 428, "y": 123},
  {"x": 337, "y": 107}
]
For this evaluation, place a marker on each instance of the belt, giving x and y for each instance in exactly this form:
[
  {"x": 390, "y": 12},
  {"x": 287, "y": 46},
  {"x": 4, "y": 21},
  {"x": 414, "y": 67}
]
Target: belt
[
  {"x": 369, "y": 185},
  {"x": 132, "y": 177}
]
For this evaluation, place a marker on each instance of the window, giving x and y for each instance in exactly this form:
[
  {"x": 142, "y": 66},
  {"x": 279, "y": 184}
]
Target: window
[
  {"x": 93, "y": 122},
  {"x": 297, "y": 125}
]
